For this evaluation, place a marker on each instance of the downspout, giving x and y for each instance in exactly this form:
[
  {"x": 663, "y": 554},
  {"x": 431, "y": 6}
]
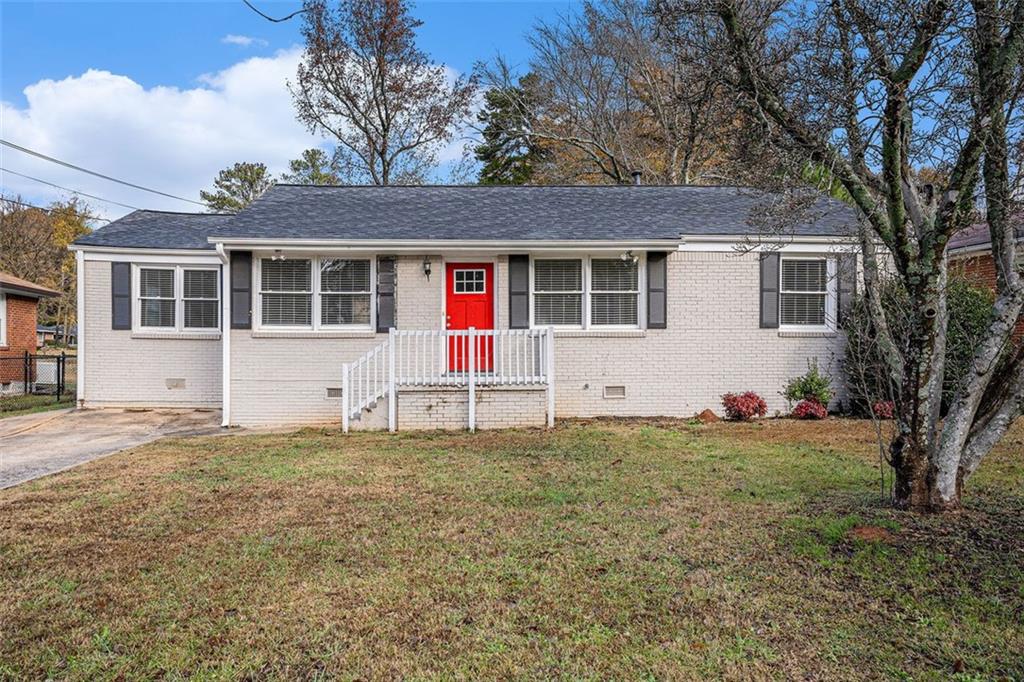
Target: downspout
[
  {"x": 225, "y": 335},
  {"x": 80, "y": 321}
]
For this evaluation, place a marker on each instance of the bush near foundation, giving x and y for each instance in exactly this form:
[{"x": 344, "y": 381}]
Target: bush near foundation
[
  {"x": 809, "y": 409},
  {"x": 744, "y": 406}
]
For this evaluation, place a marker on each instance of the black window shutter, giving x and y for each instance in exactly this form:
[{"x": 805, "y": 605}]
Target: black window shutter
[
  {"x": 657, "y": 279},
  {"x": 769, "y": 290},
  {"x": 518, "y": 291},
  {"x": 846, "y": 272},
  {"x": 385, "y": 293},
  {"x": 121, "y": 295},
  {"x": 241, "y": 290}
]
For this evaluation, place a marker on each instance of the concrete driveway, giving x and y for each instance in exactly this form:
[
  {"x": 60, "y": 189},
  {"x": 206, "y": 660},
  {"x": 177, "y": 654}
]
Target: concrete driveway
[{"x": 39, "y": 444}]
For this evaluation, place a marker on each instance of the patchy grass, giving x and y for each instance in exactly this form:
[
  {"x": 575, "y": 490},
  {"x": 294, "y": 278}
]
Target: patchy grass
[
  {"x": 15, "y": 405},
  {"x": 601, "y": 550}
]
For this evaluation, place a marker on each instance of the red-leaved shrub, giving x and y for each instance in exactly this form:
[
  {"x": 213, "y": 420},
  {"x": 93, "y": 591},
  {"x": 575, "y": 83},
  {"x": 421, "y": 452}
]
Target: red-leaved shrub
[
  {"x": 810, "y": 409},
  {"x": 744, "y": 406},
  {"x": 883, "y": 409}
]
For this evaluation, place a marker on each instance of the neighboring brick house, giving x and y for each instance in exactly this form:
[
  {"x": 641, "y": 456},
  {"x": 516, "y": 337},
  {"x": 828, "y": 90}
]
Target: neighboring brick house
[
  {"x": 434, "y": 307},
  {"x": 19, "y": 300},
  {"x": 970, "y": 253}
]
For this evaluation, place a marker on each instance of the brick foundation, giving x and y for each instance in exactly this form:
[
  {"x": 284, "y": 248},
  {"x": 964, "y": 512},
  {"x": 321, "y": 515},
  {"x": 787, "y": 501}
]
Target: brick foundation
[{"x": 448, "y": 408}]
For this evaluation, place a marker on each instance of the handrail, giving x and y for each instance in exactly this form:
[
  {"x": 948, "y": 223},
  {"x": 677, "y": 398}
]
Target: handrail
[{"x": 448, "y": 357}]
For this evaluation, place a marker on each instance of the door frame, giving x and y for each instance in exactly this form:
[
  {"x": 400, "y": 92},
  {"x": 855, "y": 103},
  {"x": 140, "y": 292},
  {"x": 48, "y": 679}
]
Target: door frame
[{"x": 469, "y": 258}]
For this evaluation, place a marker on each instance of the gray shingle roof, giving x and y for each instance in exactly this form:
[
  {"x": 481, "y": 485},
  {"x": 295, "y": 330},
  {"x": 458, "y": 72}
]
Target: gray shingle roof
[
  {"x": 158, "y": 230},
  {"x": 499, "y": 213}
]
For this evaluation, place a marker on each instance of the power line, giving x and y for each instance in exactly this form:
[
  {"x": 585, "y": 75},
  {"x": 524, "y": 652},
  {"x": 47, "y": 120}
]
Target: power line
[
  {"x": 68, "y": 189},
  {"x": 98, "y": 175},
  {"x": 49, "y": 210},
  {"x": 268, "y": 18}
]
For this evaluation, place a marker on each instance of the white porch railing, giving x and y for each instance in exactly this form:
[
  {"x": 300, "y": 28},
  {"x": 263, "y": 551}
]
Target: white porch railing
[{"x": 469, "y": 358}]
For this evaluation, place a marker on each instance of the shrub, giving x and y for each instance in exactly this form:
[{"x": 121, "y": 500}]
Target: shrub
[
  {"x": 969, "y": 308},
  {"x": 744, "y": 406},
  {"x": 809, "y": 409},
  {"x": 811, "y": 386},
  {"x": 883, "y": 409}
]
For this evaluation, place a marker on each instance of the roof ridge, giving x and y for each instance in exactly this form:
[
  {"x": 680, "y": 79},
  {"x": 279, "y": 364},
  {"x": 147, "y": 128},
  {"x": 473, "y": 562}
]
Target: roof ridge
[
  {"x": 191, "y": 213},
  {"x": 478, "y": 186}
]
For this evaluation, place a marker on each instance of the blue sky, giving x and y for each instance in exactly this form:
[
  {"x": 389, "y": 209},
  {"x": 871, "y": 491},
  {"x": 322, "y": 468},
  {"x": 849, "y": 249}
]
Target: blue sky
[{"x": 163, "y": 94}]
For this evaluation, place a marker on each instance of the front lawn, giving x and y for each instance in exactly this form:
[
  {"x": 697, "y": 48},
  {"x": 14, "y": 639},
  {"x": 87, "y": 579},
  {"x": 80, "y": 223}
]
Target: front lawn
[{"x": 605, "y": 550}]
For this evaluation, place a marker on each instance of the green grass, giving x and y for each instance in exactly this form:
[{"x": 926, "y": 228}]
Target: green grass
[
  {"x": 16, "y": 405},
  {"x": 592, "y": 551}
]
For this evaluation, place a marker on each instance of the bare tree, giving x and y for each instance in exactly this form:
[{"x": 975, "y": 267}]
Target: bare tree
[
  {"x": 364, "y": 82},
  {"x": 869, "y": 90},
  {"x": 609, "y": 98}
]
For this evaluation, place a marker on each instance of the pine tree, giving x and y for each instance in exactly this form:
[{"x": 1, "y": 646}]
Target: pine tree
[{"x": 237, "y": 187}]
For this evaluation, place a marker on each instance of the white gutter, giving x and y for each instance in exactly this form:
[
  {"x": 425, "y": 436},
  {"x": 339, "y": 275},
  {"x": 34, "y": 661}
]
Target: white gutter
[
  {"x": 433, "y": 245},
  {"x": 225, "y": 336},
  {"x": 759, "y": 239},
  {"x": 90, "y": 248}
]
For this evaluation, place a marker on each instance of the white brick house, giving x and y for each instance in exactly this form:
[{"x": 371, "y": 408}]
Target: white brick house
[{"x": 442, "y": 307}]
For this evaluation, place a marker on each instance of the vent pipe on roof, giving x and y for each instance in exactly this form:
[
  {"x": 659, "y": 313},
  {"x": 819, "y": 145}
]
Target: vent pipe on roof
[{"x": 636, "y": 177}]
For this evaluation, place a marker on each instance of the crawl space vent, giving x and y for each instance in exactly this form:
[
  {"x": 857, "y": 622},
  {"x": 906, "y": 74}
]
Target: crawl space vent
[
  {"x": 614, "y": 391},
  {"x": 333, "y": 393}
]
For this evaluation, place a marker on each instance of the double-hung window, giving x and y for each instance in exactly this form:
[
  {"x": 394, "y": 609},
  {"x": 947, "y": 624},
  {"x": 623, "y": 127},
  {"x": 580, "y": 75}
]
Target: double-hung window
[
  {"x": 586, "y": 293},
  {"x": 286, "y": 292},
  {"x": 558, "y": 292},
  {"x": 316, "y": 293},
  {"x": 806, "y": 292},
  {"x": 614, "y": 292},
  {"x": 199, "y": 298},
  {"x": 344, "y": 293},
  {"x": 177, "y": 298}
]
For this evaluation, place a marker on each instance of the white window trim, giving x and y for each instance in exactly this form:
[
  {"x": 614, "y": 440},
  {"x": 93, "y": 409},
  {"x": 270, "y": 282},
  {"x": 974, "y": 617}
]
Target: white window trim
[
  {"x": 179, "y": 301},
  {"x": 831, "y": 295},
  {"x": 3, "y": 319},
  {"x": 316, "y": 326},
  {"x": 641, "y": 301}
]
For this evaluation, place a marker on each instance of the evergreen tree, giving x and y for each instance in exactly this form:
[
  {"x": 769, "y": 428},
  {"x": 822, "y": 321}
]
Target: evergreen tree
[
  {"x": 314, "y": 167},
  {"x": 507, "y": 153},
  {"x": 237, "y": 187}
]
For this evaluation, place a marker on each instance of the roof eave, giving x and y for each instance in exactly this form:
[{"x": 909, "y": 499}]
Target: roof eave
[{"x": 28, "y": 292}]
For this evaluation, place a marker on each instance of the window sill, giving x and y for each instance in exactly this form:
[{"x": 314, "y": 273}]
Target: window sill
[
  {"x": 601, "y": 333},
  {"x": 193, "y": 336},
  {"x": 310, "y": 334},
  {"x": 807, "y": 333}
]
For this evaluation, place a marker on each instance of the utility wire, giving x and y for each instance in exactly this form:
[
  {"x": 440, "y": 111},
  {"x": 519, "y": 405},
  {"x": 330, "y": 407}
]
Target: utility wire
[
  {"x": 6, "y": 200},
  {"x": 98, "y": 175},
  {"x": 68, "y": 189},
  {"x": 276, "y": 21}
]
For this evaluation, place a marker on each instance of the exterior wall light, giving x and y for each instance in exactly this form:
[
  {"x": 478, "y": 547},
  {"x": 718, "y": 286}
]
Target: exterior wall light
[{"x": 426, "y": 267}]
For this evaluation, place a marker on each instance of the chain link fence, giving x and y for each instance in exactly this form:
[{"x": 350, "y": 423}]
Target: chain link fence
[{"x": 28, "y": 374}]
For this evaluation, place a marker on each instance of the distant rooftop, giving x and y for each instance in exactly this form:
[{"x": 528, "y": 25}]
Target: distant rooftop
[{"x": 19, "y": 285}]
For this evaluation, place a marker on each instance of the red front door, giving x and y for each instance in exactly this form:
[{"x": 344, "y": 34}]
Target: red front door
[{"x": 470, "y": 303}]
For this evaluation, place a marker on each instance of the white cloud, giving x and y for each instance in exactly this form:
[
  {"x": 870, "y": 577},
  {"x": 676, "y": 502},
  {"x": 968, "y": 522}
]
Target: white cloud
[
  {"x": 167, "y": 138},
  {"x": 242, "y": 41}
]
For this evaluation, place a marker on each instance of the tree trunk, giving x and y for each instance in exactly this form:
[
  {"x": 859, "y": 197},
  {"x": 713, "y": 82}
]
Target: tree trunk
[{"x": 918, "y": 487}]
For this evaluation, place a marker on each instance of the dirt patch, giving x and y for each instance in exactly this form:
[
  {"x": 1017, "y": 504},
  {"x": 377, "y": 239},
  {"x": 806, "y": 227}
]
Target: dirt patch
[
  {"x": 870, "y": 534},
  {"x": 708, "y": 417}
]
